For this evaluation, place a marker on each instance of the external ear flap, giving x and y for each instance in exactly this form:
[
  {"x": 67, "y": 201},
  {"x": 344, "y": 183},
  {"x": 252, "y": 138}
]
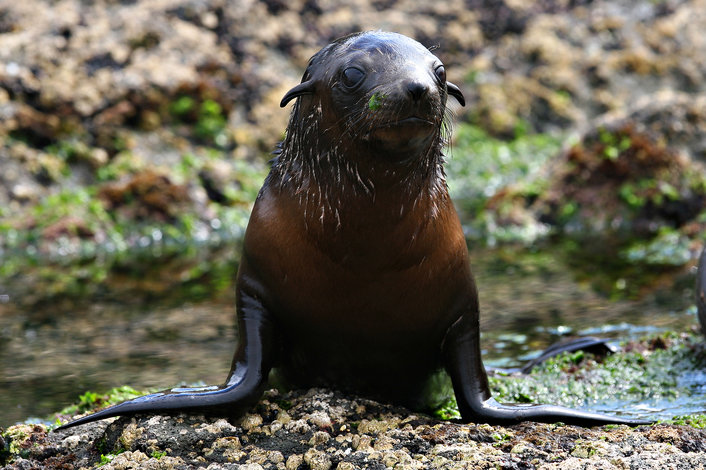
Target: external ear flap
[
  {"x": 455, "y": 91},
  {"x": 304, "y": 88}
]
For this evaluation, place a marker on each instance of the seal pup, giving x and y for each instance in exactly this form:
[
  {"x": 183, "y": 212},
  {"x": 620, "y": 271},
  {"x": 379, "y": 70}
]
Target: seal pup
[{"x": 355, "y": 272}]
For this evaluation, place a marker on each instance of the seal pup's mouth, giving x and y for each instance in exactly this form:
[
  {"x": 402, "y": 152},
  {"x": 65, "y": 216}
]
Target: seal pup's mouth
[
  {"x": 402, "y": 140},
  {"x": 410, "y": 121},
  {"x": 407, "y": 129}
]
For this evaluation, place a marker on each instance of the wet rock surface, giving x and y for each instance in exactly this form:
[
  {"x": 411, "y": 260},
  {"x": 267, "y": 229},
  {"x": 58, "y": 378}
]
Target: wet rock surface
[{"x": 319, "y": 429}]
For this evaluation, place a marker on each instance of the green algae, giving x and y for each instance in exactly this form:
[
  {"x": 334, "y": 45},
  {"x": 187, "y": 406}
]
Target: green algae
[
  {"x": 107, "y": 458},
  {"x": 614, "y": 144},
  {"x": 376, "y": 101},
  {"x": 650, "y": 375},
  {"x": 20, "y": 439},
  {"x": 697, "y": 421},
  {"x": 481, "y": 166},
  {"x": 91, "y": 401}
]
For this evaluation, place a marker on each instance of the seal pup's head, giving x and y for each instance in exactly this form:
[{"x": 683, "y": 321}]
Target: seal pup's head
[
  {"x": 379, "y": 90},
  {"x": 369, "y": 119}
]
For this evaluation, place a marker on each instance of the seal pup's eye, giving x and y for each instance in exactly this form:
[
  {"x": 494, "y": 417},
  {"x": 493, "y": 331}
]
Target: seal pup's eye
[
  {"x": 352, "y": 76},
  {"x": 440, "y": 73}
]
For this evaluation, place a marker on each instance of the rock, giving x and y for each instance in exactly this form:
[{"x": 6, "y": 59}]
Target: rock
[
  {"x": 637, "y": 173},
  {"x": 394, "y": 437},
  {"x": 145, "y": 196}
]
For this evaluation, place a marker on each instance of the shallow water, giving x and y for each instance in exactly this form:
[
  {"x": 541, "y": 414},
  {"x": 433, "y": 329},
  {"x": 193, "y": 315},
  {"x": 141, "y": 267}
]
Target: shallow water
[{"x": 159, "y": 324}]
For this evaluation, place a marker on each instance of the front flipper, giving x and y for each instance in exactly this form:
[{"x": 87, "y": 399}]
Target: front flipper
[
  {"x": 590, "y": 344},
  {"x": 244, "y": 386},
  {"x": 464, "y": 365}
]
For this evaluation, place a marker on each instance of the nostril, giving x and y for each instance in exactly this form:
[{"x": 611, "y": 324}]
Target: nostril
[{"x": 417, "y": 90}]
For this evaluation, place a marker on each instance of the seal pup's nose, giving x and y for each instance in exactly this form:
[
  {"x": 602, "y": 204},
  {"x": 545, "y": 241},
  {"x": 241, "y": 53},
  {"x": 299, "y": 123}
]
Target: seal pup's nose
[{"x": 417, "y": 90}]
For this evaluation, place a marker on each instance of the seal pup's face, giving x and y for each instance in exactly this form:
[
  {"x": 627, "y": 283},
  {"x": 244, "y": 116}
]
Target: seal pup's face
[{"x": 379, "y": 90}]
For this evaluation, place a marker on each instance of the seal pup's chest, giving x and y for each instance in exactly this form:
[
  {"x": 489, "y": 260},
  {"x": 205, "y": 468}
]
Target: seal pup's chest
[{"x": 373, "y": 279}]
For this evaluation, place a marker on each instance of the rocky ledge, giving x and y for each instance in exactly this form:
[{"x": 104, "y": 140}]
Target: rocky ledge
[{"x": 323, "y": 430}]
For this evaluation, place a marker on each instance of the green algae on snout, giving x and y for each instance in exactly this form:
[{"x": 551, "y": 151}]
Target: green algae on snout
[{"x": 375, "y": 101}]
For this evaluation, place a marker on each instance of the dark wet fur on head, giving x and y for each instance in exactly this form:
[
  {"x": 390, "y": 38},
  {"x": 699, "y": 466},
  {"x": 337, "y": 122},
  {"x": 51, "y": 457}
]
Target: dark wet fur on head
[{"x": 304, "y": 156}]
